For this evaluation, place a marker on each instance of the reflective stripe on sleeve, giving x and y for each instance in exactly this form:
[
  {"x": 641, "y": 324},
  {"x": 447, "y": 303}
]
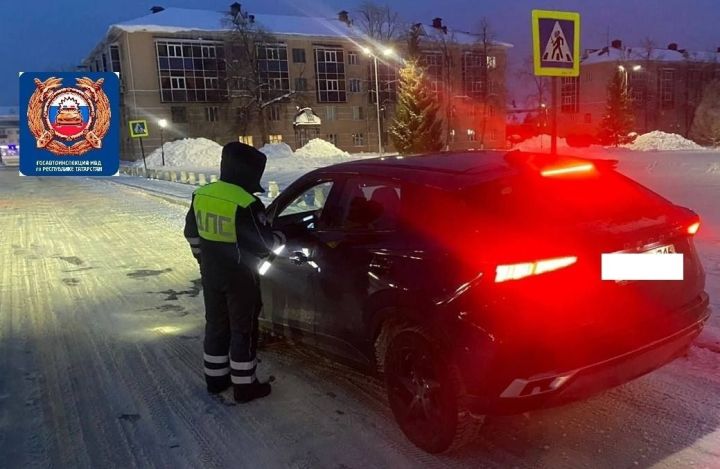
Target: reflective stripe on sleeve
[
  {"x": 215, "y": 358},
  {"x": 193, "y": 240},
  {"x": 214, "y": 373},
  {"x": 243, "y": 365},
  {"x": 242, "y": 379}
]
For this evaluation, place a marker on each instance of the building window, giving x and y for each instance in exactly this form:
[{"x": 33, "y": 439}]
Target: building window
[
  {"x": 104, "y": 63},
  {"x": 330, "y": 113},
  {"x": 638, "y": 88},
  {"x": 212, "y": 114},
  {"x": 569, "y": 95},
  {"x": 474, "y": 74},
  {"x": 301, "y": 84},
  {"x": 115, "y": 58},
  {"x": 177, "y": 83},
  {"x": 452, "y": 135},
  {"x": 354, "y": 85},
  {"x": 667, "y": 88},
  {"x": 246, "y": 139},
  {"x": 273, "y": 70},
  {"x": 274, "y": 113},
  {"x": 432, "y": 62},
  {"x": 352, "y": 58},
  {"x": 298, "y": 55},
  {"x": 332, "y": 138},
  {"x": 275, "y": 138},
  {"x": 191, "y": 71},
  {"x": 387, "y": 76},
  {"x": 493, "y": 134},
  {"x": 330, "y": 73},
  {"x": 178, "y": 114},
  {"x": 358, "y": 113},
  {"x": 359, "y": 139},
  {"x": 471, "y": 135},
  {"x": 491, "y": 61}
]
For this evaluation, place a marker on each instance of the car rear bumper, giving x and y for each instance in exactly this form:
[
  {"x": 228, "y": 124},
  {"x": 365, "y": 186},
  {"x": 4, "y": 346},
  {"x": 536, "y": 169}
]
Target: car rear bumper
[{"x": 559, "y": 387}]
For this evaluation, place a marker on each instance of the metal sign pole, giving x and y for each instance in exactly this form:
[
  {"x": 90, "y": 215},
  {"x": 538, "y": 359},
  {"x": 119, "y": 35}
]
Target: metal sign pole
[
  {"x": 553, "y": 125},
  {"x": 142, "y": 151}
]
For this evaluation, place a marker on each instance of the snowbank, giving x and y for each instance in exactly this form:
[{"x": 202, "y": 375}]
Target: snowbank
[
  {"x": 277, "y": 150},
  {"x": 187, "y": 153},
  {"x": 319, "y": 148},
  {"x": 658, "y": 140},
  {"x": 539, "y": 143}
]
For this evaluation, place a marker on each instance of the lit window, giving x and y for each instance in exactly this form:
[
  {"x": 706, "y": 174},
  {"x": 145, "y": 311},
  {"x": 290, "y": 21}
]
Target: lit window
[
  {"x": 275, "y": 138},
  {"x": 471, "y": 135},
  {"x": 246, "y": 139}
]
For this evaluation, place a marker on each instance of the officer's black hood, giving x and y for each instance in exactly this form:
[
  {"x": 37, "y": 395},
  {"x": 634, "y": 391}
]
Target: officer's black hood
[{"x": 243, "y": 166}]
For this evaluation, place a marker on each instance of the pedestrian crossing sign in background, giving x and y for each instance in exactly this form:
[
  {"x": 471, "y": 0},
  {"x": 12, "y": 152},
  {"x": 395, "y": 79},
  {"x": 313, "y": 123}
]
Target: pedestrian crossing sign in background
[
  {"x": 138, "y": 129},
  {"x": 556, "y": 43}
]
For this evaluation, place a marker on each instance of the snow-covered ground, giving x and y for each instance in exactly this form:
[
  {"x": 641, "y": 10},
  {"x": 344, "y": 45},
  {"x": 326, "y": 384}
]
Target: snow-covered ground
[{"x": 101, "y": 362}]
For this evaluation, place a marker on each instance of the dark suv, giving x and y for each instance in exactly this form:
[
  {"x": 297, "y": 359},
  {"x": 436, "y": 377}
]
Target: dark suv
[{"x": 472, "y": 281}]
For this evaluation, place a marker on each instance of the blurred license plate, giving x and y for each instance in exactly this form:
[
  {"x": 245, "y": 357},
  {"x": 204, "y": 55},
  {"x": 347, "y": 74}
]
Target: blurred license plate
[{"x": 666, "y": 249}]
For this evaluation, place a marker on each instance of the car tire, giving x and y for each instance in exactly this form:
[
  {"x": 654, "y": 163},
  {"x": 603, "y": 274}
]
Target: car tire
[{"x": 423, "y": 390}]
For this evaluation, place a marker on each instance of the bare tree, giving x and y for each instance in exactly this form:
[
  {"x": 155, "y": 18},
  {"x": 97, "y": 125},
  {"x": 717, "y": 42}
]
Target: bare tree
[
  {"x": 485, "y": 43},
  {"x": 249, "y": 89},
  {"x": 647, "y": 46},
  {"x": 379, "y": 22},
  {"x": 540, "y": 87}
]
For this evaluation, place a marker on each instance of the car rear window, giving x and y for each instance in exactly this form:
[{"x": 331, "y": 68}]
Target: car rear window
[{"x": 603, "y": 195}]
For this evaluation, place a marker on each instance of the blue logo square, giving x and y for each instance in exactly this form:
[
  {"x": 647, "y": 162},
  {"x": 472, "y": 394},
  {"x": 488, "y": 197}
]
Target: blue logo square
[{"x": 69, "y": 124}]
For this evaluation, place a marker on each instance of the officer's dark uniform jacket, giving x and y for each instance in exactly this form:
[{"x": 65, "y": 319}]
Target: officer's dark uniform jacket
[{"x": 229, "y": 235}]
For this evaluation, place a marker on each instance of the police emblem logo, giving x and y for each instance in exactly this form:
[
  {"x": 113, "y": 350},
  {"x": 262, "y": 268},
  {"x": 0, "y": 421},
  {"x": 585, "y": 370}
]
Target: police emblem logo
[{"x": 69, "y": 120}]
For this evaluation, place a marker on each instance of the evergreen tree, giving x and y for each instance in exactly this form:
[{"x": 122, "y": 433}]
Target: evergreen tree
[
  {"x": 416, "y": 128},
  {"x": 618, "y": 120},
  {"x": 706, "y": 126}
]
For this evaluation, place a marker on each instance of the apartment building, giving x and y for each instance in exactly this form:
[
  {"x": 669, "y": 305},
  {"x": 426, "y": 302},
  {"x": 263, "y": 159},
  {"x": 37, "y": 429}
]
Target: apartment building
[
  {"x": 178, "y": 65},
  {"x": 664, "y": 84}
]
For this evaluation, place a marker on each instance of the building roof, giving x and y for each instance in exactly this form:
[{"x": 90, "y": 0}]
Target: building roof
[
  {"x": 613, "y": 54},
  {"x": 173, "y": 20},
  {"x": 9, "y": 111}
]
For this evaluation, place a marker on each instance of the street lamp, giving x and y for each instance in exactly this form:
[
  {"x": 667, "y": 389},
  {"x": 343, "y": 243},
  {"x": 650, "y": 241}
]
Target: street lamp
[
  {"x": 386, "y": 52},
  {"x": 162, "y": 123}
]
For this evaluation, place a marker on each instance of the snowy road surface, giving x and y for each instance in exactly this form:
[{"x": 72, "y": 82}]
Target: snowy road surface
[{"x": 100, "y": 357}]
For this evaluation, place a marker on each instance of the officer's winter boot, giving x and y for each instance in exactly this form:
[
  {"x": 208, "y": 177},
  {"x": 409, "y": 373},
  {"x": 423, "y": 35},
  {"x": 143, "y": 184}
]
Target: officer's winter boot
[
  {"x": 248, "y": 392},
  {"x": 217, "y": 384}
]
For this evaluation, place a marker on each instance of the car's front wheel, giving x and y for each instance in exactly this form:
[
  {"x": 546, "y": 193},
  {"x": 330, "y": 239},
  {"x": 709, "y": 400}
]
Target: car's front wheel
[{"x": 423, "y": 392}]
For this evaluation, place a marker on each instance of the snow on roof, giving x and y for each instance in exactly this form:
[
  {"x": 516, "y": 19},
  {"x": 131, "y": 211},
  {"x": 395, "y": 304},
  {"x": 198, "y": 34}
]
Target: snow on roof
[
  {"x": 461, "y": 37},
  {"x": 612, "y": 54},
  {"x": 172, "y": 20}
]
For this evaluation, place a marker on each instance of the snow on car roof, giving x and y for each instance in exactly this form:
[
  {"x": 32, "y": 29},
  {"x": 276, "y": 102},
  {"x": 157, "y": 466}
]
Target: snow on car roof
[{"x": 173, "y": 20}]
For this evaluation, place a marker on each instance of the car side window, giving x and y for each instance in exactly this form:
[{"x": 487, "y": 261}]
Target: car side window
[
  {"x": 310, "y": 202},
  {"x": 370, "y": 204}
]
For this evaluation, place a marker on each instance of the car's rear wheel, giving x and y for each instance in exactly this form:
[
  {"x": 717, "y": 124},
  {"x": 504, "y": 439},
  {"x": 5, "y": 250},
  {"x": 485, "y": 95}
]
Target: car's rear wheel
[{"x": 423, "y": 392}]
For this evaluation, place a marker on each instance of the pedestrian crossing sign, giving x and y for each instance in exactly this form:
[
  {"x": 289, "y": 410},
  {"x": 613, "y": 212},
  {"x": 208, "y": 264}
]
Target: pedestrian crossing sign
[
  {"x": 556, "y": 43},
  {"x": 138, "y": 129}
]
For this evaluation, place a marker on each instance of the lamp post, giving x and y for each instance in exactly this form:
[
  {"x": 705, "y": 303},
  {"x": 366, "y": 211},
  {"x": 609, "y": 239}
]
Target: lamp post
[
  {"x": 162, "y": 123},
  {"x": 624, "y": 71},
  {"x": 386, "y": 52}
]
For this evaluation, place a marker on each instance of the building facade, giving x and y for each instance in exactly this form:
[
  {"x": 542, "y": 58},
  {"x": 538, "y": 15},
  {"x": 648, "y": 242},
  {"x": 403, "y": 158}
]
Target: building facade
[
  {"x": 314, "y": 81},
  {"x": 664, "y": 85}
]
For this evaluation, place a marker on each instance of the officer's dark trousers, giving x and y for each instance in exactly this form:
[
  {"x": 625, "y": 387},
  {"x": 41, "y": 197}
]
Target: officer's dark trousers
[{"x": 232, "y": 306}]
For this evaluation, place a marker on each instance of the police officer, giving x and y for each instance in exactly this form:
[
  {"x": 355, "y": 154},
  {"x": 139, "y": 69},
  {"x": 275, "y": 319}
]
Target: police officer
[{"x": 229, "y": 235}]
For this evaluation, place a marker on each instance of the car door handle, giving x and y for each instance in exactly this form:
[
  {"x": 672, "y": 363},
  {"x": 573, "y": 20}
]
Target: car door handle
[{"x": 298, "y": 257}]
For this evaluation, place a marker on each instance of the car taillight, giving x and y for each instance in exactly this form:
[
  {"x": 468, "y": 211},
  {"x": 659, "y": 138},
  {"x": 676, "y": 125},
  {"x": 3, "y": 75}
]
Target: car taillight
[
  {"x": 507, "y": 272},
  {"x": 562, "y": 170},
  {"x": 692, "y": 229}
]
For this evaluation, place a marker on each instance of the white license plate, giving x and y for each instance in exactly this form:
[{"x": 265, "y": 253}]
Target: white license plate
[{"x": 666, "y": 249}]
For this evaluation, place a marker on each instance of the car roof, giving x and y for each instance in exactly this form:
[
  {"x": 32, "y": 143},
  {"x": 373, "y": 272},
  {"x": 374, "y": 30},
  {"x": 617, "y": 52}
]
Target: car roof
[{"x": 444, "y": 170}]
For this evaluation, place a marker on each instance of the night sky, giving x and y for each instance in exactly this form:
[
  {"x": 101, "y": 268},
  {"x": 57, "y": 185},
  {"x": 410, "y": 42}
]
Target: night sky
[{"x": 43, "y": 35}]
